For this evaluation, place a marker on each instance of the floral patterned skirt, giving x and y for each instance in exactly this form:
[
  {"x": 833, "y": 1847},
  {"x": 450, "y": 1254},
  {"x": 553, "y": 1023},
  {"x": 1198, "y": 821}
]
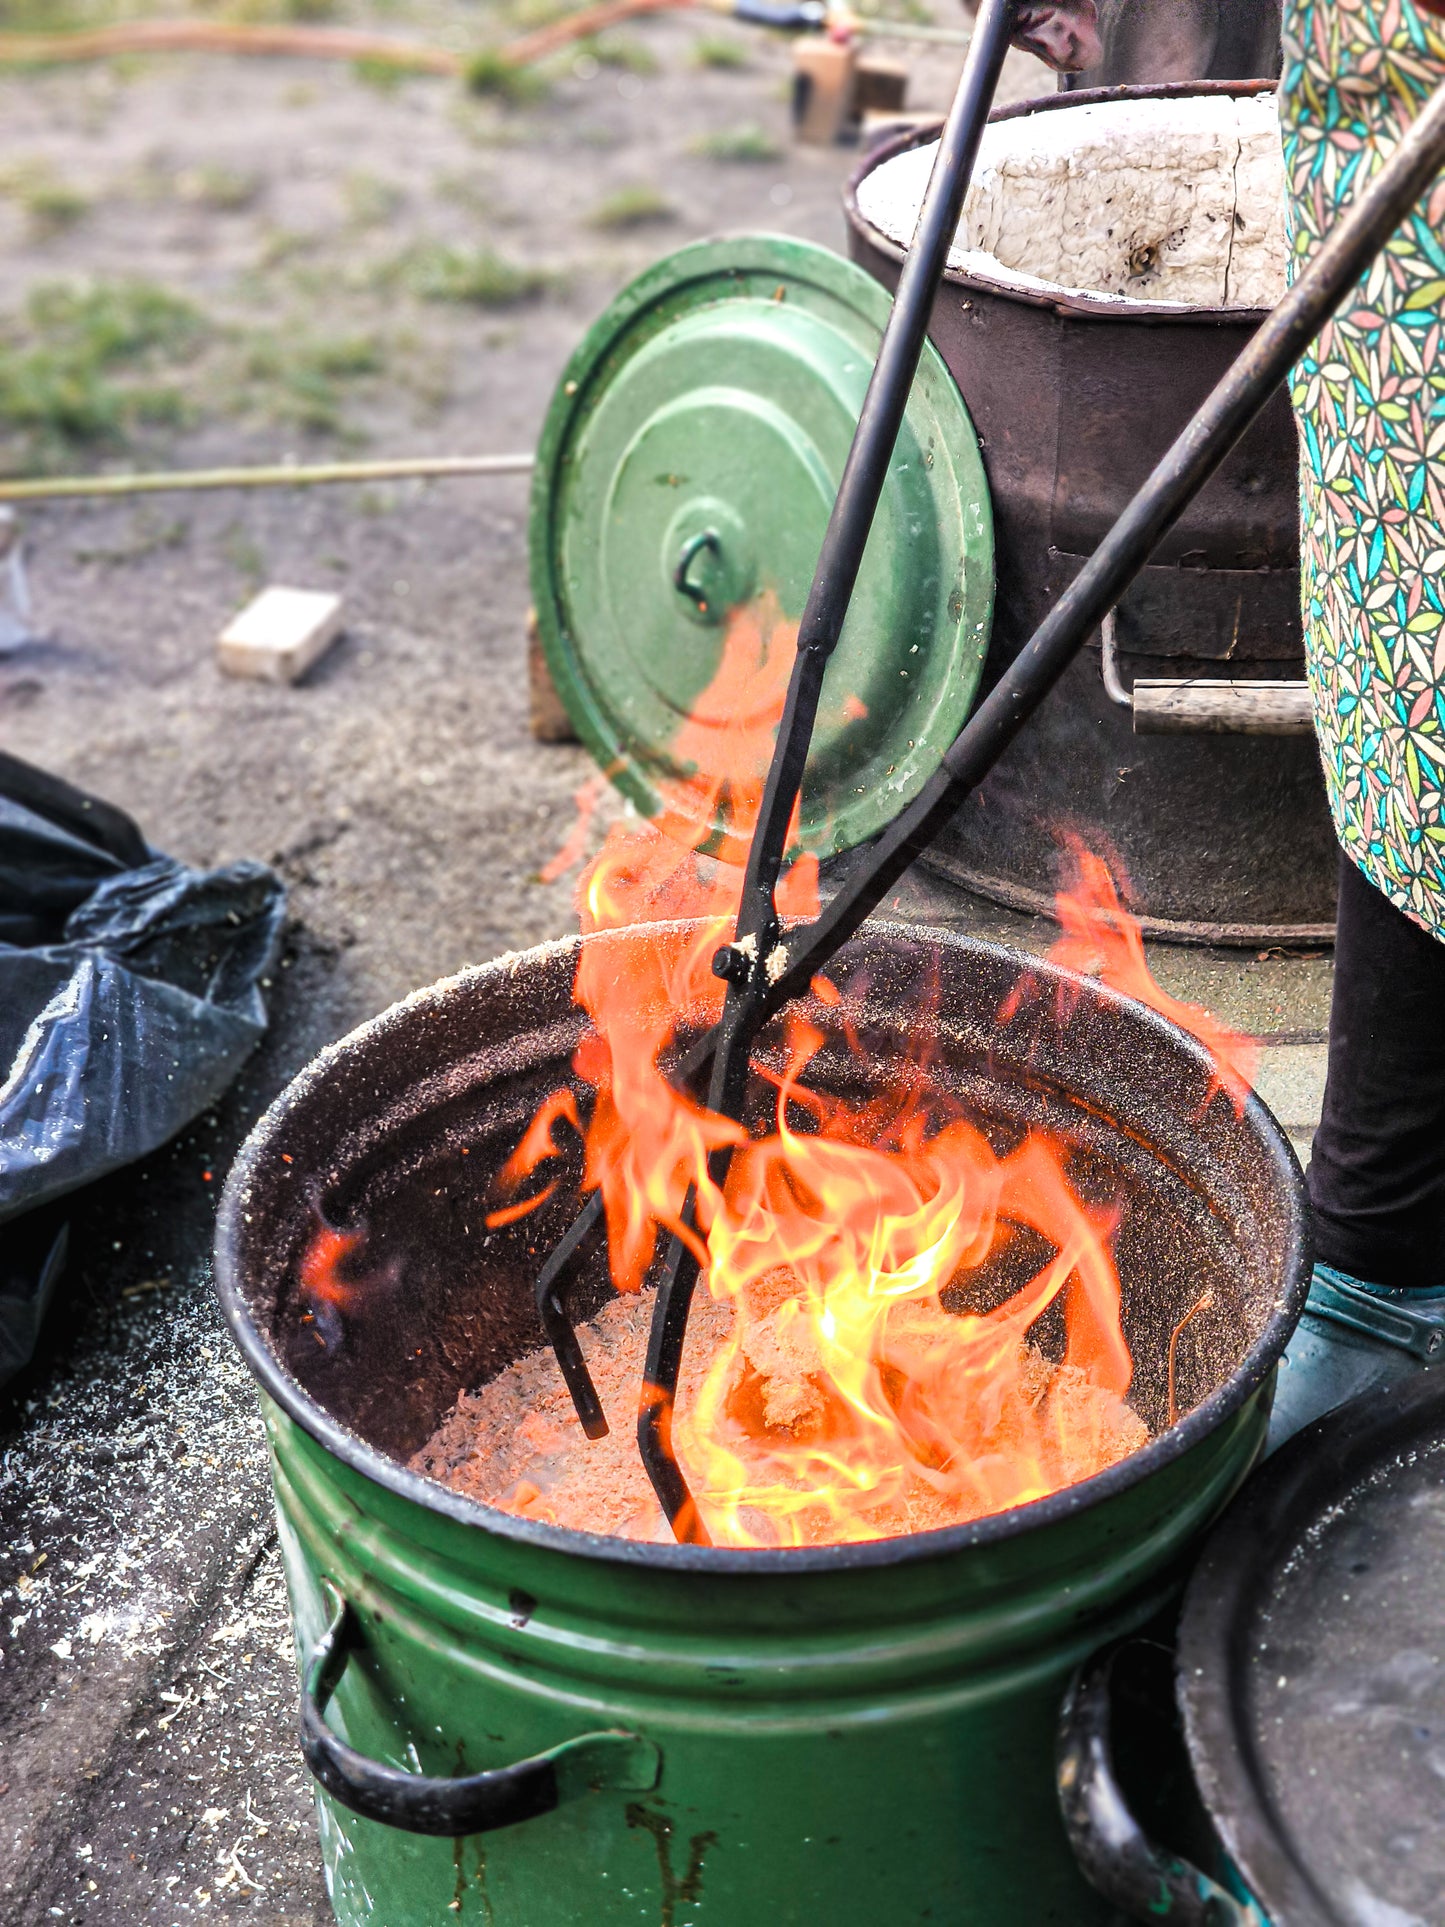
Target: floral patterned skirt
[{"x": 1370, "y": 397}]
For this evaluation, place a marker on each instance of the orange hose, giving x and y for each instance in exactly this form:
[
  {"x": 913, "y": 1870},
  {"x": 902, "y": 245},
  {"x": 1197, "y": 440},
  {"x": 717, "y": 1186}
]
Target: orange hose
[
  {"x": 319, "y": 43},
  {"x": 576, "y": 26},
  {"x": 214, "y": 36}
]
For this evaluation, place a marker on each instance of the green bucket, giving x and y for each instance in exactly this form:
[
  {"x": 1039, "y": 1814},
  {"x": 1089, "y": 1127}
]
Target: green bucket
[{"x": 524, "y": 1726}]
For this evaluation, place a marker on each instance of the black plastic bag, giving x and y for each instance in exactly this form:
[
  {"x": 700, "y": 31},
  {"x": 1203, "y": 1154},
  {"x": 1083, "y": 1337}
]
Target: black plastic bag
[{"x": 130, "y": 995}]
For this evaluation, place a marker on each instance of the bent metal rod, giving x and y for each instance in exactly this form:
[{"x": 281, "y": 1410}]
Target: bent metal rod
[{"x": 755, "y": 994}]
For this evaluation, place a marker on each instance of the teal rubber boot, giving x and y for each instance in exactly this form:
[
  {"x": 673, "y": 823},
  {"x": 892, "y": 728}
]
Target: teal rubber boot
[{"x": 1352, "y": 1336}]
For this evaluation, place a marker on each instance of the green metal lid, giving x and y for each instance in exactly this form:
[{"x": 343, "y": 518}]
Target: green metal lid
[{"x": 689, "y": 462}]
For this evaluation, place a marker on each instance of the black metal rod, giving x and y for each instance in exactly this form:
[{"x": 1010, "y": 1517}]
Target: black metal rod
[
  {"x": 558, "y": 1326},
  {"x": 748, "y": 963},
  {"x": 866, "y": 470}
]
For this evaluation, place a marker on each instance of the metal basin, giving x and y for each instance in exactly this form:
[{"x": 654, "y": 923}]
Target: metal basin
[
  {"x": 833, "y": 1736},
  {"x": 1312, "y": 1668},
  {"x": 1310, "y": 1678},
  {"x": 1225, "y": 838}
]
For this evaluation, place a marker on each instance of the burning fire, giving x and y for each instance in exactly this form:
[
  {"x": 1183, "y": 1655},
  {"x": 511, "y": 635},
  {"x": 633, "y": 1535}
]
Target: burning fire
[
  {"x": 866, "y": 1388},
  {"x": 1100, "y": 939},
  {"x": 883, "y": 1272}
]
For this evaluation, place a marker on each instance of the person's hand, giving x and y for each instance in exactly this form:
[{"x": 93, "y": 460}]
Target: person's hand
[{"x": 1065, "y": 33}]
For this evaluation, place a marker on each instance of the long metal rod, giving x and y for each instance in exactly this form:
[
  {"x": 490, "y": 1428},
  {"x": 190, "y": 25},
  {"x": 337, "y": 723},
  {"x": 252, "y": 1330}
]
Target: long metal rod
[
  {"x": 749, "y": 962},
  {"x": 179, "y": 481},
  {"x": 1357, "y": 238}
]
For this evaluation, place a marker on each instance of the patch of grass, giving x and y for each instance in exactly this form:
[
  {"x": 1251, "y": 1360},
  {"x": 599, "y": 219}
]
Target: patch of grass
[
  {"x": 78, "y": 365},
  {"x": 239, "y": 547},
  {"x": 748, "y": 144},
  {"x": 487, "y": 74},
  {"x": 258, "y": 12},
  {"x": 914, "y": 11},
  {"x": 720, "y": 50},
  {"x": 305, "y": 382},
  {"x": 49, "y": 203},
  {"x": 38, "y": 16},
  {"x": 384, "y": 76},
  {"x": 538, "y": 13},
  {"x": 632, "y": 207},
  {"x": 280, "y": 245},
  {"x": 222, "y": 190},
  {"x": 369, "y": 200},
  {"x": 151, "y": 533},
  {"x": 478, "y": 276},
  {"x": 621, "y": 50}
]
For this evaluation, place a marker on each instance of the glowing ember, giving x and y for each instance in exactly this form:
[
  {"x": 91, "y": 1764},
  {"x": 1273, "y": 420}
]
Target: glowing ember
[{"x": 516, "y": 1440}]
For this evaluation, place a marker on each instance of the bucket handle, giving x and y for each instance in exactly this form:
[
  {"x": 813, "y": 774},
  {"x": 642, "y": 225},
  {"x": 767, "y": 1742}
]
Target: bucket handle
[
  {"x": 1116, "y": 1856},
  {"x": 1196, "y": 705},
  {"x": 471, "y": 1803}
]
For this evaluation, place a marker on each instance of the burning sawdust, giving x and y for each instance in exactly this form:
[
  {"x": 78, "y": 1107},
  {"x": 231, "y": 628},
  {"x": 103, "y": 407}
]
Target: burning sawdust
[{"x": 516, "y": 1443}]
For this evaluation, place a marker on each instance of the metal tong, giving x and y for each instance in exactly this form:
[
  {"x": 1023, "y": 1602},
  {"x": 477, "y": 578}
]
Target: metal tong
[{"x": 765, "y": 967}]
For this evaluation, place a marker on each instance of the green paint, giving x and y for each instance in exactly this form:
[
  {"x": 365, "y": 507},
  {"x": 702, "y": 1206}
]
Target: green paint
[{"x": 840, "y": 1746}]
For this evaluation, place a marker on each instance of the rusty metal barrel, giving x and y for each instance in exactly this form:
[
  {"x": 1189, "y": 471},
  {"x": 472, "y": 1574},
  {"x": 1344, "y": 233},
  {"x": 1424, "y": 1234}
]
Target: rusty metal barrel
[{"x": 1075, "y": 390}]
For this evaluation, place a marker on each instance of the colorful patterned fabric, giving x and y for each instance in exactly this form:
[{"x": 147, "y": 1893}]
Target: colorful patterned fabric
[{"x": 1371, "y": 402}]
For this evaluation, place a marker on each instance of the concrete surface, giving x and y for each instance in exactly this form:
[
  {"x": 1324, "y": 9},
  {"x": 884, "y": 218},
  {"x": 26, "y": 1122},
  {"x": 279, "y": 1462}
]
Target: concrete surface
[{"x": 148, "y": 1770}]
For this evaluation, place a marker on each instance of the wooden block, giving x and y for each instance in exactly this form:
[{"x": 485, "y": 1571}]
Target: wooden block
[
  {"x": 880, "y": 85},
  {"x": 822, "y": 90},
  {"x": 280, "y": 635},
  {"x": 550, "y": 721}
]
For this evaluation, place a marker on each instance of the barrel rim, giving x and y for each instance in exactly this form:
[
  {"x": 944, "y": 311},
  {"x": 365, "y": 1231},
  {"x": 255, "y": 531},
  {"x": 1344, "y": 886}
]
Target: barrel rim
[
  {"x": 1078, "y": 305},
  {"x": 1315, "y": 1471},
  {"x": 432, "y": 1496}
]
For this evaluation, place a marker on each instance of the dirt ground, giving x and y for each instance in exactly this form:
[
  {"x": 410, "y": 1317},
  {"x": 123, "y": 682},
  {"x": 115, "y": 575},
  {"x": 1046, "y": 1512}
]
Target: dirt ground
[{"x": 344, "y": 263}]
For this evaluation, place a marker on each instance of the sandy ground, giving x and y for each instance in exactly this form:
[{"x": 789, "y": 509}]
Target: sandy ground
[{"x": 148, "y": 1771}]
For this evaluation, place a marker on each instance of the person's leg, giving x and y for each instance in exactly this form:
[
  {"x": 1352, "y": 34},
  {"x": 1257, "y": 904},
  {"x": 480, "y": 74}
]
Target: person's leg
[
  {"x": 1377, "y": 1172},
  {"x": 1376, "y": 1308}
]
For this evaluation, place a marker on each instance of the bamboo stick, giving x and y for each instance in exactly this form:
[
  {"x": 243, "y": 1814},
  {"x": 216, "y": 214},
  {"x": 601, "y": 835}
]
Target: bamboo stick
[{"x": 280, "y": 475}]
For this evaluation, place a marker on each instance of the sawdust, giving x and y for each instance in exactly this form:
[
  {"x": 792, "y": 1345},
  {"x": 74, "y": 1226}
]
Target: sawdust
[{"x": 516, "y": 1443}]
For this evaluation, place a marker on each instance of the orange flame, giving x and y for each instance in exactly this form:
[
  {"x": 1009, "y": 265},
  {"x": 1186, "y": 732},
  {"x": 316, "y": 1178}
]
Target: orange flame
[
  {"x": 1100, "y": 939},
  {"x": 850, "y": 1401}
]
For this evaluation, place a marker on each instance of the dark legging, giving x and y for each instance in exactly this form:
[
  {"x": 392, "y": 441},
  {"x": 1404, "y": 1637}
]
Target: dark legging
[{"x": 1377, "y": 1176}]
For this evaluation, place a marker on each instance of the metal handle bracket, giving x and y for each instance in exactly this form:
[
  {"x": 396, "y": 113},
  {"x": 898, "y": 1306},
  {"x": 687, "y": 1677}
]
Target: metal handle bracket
[
  {"x": 449, "y": 1809},
  {"x": 1117, "y": 1857},
  {"x": 1198, "y": 705}
]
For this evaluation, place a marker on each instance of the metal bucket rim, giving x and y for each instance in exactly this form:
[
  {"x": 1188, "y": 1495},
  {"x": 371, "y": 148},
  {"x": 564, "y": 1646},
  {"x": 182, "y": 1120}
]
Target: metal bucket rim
[
  {"x": 1319, "y": 1468},
  {"x": 1077, "y": 305},
  {"x": 364, "y": 1458}
]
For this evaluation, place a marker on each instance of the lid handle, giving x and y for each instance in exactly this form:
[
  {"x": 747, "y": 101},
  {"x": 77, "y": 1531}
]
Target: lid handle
[
  {"x": 706, "y": 541},
  {"x": 1115, "y": 1855}
]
